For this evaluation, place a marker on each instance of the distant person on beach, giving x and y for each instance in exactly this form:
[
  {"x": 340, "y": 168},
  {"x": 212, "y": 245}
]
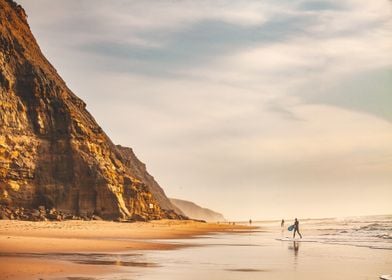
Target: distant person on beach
[
  {"x": 296, "y": 228},
  {"x": 282, "y": 227},
  {"x": 250, "y": 221}
]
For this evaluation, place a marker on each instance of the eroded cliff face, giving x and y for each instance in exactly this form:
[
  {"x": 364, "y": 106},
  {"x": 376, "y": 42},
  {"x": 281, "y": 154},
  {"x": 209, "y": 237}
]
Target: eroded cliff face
[
  {"x": 138, "y": 170},
  {"x": 52, "y": 152}
]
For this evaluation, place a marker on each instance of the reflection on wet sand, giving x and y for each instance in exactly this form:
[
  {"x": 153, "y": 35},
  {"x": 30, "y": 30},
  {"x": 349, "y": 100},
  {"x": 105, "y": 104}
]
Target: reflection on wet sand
[
  {"x": 80, "y": 278},
  {"x": 247, "y": 270},
  {"x": 93, "y": 259},
  {"x": 295, "y": 247}
]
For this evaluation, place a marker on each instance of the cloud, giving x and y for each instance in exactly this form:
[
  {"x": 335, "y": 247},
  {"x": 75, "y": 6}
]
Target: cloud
[
  {"x": 199, "y": 43},
  {"x": 367, "y": 91},
  {"x": 320, "y": 5}
]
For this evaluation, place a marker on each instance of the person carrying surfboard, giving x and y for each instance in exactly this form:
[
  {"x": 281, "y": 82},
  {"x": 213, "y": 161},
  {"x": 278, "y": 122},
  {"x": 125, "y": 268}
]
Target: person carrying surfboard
[{"x": 296, "y": 228}]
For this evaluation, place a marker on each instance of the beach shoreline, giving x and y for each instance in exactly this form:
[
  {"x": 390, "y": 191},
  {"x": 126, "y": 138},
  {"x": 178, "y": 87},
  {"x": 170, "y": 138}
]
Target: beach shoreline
[
  {"x": 169, "y": 249},
  {"x": 28, "y": 250}
]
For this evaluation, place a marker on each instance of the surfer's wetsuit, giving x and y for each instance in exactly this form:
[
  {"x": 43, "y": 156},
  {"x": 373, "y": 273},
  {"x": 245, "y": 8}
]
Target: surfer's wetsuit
[{"x": 296, "y": 228}]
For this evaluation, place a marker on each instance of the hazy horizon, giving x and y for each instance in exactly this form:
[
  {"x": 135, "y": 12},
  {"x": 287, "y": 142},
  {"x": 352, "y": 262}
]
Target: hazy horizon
[
  {"x": 291, "y": 219},
  {"x": 254, "y": 109}
]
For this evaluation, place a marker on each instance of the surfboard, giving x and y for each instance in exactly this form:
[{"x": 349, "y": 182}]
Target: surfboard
[{"x": 290, "y": 228}]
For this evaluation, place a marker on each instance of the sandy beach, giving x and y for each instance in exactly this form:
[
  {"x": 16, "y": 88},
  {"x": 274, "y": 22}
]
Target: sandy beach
[
  {"x": 26, "y": 247},
  {"x": 168, "y": 249}
]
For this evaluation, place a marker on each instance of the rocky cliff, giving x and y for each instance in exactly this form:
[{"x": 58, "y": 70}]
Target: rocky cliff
[
  {"x": 138, "y": 170},
  {"x": 197, "y": 212},
  {"x": 52, "y": 151}
]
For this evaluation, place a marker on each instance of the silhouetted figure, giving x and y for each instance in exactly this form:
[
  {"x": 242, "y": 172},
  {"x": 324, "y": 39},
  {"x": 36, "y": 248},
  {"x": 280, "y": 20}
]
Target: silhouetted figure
[
  {"x": 282, "y": 223},
  {"x": 296, "y": 228},
  {"x": 250, "y": 221}
]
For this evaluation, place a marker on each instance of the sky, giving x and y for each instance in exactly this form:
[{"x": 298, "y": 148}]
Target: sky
[{"x": 256, "y": 109}]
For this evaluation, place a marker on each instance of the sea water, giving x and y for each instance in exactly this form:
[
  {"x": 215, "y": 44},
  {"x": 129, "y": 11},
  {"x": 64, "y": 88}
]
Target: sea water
[{"x": 369, "y": 231}]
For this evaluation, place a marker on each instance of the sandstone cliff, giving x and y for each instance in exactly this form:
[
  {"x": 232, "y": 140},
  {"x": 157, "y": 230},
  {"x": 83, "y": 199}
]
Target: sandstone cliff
[
  {"x": 52, "y": 152},
  {"x": 137, "y": 169},
  {"x": 197, "y": 212}
]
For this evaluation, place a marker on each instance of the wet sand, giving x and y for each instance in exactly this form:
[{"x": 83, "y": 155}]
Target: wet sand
[
  {"x": 261, "y": 255},
  {"x": 34, "y": 250},
  {"x": 30, "y": 268}
]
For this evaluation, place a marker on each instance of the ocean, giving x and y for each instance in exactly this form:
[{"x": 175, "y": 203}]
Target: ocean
[{"x": 370, "y": 231}]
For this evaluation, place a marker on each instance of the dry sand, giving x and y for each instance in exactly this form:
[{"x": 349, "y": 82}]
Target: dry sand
[{"x": 40, "y": 238}]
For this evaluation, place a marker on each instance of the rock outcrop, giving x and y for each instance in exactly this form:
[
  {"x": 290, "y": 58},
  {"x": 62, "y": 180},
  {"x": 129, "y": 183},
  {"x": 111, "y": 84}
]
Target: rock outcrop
[
  {"x": 197, "y": 212},
  {"x": 52, "y": 151},
  {"x": 139, "y": 171}
]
